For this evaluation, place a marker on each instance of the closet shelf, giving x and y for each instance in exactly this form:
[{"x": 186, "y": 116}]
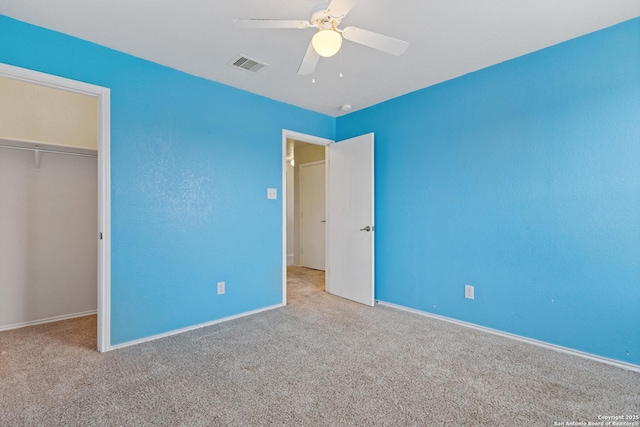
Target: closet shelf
[{"x": 39, "y": 148}]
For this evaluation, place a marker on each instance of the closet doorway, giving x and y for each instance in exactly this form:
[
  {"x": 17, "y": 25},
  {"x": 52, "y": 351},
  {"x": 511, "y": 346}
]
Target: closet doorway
[{"x": 54, "y": 200}]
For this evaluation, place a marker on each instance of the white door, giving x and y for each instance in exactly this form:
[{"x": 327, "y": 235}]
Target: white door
[
  {"x": 350, "y": 220},
  {"x": 312, "y": 215}
]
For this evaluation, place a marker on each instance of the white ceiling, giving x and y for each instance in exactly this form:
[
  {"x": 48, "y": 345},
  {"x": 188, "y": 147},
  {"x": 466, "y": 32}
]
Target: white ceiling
[{"x": 448, "y": 38}]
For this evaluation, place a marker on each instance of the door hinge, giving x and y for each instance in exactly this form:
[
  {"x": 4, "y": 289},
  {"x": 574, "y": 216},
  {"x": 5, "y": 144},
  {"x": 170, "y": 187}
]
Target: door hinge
[{"x": 100, "y": 235}]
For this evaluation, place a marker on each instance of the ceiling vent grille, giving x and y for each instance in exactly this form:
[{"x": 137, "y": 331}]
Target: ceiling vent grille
[{"x": 247, "y": 64}]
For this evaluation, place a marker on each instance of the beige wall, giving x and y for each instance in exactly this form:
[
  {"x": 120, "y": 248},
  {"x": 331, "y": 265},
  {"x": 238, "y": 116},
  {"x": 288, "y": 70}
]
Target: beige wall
[
  {"x": 30, "y": 112},
  {"x": 307, "y": 153}
]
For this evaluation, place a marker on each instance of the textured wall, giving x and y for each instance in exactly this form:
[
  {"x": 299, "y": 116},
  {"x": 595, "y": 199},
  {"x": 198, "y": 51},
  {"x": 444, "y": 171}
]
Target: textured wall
[
  {"x": 523, "y": 180},
  {"x": 190, "y": 164}
]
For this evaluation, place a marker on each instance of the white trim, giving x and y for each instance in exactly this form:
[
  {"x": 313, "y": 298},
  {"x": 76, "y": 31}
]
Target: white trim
[
  {"x": 47, "y": 320},
  {"x": 49, "y": 80},
  {"x": 193, "y": 327},
  {"x": 104, "y": 221},
  {"x": 104, "y": 181},
  {"x": 289, "y": 134},
  {"x": 558, "y": 348},
  {"x": 303, "y": 137}
]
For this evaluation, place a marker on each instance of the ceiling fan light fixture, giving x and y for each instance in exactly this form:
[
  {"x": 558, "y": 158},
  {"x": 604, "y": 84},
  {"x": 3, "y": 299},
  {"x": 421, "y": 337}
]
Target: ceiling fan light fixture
[{"x": 327, "y": 42}]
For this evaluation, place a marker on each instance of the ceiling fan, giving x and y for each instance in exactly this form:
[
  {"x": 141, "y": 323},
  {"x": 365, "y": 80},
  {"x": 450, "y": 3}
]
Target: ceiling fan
[{"x": 328, "y": 40}]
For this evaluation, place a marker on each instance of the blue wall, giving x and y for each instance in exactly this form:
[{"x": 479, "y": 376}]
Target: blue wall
[
  {"x": 191, "y": 162},
  {"x": 522, "y": 179}
]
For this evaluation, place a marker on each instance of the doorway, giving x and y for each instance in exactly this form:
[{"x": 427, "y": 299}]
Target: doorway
[
  {"x": 102, "y": 96},
  {"x": 349, "y": 213},
  {"x": 305, "y": 204},
  {"x": 304, "y": 237}
]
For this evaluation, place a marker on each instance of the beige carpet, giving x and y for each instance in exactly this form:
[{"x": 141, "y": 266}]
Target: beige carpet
[{"x": 321, "y": 360}]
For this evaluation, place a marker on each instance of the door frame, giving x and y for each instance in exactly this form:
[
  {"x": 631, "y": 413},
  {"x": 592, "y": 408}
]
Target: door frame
[
  {"x": 299, "y": 197},
  {"x": 310, "y": 139},
  {"x": 102, "y": 95}
]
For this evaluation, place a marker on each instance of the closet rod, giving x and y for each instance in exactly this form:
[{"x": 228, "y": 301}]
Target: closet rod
[{"x": 13, "y": 147}]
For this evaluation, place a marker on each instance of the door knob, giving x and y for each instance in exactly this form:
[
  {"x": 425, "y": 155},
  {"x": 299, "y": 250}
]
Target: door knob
[{"x": 367, "y": 228}]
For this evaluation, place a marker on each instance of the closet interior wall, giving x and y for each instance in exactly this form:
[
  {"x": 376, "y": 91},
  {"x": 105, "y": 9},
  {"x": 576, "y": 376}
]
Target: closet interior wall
[{"x": 48, "y": 244}]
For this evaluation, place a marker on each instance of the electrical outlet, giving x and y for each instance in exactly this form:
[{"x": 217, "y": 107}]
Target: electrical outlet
[
  {"x": 468, "y": 292},
  {"x": 220, "y": 288},
  {"x": 272, "y": 193}
]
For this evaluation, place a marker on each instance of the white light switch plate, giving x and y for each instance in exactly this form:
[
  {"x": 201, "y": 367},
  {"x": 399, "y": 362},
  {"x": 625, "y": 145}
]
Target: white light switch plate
[
  {"x": 272, "y": 193},
  {"x": 469, "y": 292}
]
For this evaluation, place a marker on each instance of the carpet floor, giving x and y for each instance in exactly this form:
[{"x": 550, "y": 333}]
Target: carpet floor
[{"x": 319, "y": 361}]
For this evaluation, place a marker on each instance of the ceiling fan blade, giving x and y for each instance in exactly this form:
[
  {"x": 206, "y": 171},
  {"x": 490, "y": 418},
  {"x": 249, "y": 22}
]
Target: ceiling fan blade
[
  {"x": 270, "y": 23},
  {"x": 377, "y": 41},
  {"x": 309, "y": 62},
  {"x": 340, "y": 8}
]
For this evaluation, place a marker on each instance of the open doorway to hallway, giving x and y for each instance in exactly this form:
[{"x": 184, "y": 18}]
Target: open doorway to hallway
[
  {"x": 349, "y": 215},
  {"x": 305, "y": 207},
  {"x": 306, "y": 204}
]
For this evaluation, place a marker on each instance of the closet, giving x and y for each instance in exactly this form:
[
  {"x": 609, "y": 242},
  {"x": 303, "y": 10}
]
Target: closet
[{"x": 48, "y": 204}]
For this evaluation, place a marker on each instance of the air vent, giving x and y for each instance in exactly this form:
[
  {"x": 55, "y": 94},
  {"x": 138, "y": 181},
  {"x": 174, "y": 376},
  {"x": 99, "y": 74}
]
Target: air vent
[{"x": 247, "y": 64}]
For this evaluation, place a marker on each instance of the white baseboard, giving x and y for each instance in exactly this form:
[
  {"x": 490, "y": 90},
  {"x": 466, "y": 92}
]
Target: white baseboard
[
  {"x": 191, "y": 328},
  {"x": 47, "y": 320},
  {"x": 613, "y": 362},
  {"x": 289, "y": 259}
]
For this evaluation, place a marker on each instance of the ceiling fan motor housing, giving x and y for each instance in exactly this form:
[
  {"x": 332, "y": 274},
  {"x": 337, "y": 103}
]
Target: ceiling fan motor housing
[{"x": 321, "y": 18}]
